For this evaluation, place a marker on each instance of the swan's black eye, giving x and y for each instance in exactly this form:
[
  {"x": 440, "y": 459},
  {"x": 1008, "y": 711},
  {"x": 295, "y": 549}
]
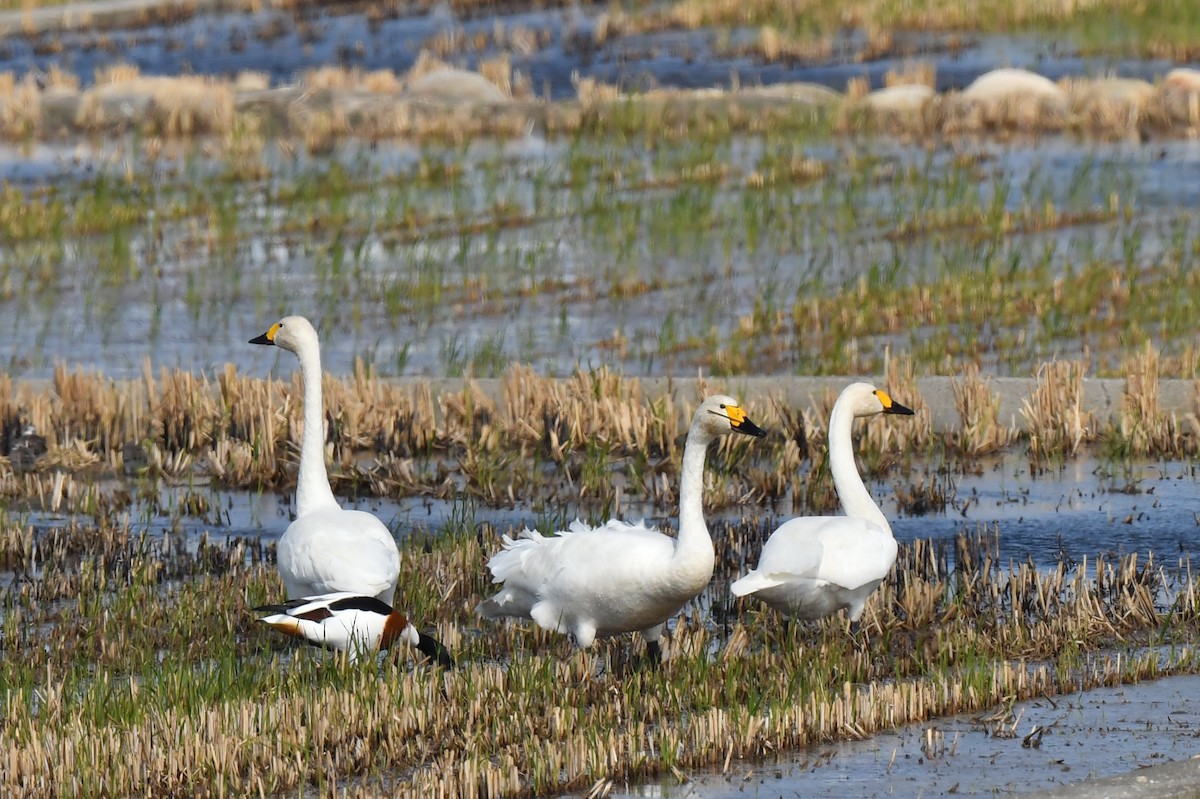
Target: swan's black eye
[{"x": 722, "y": 406}]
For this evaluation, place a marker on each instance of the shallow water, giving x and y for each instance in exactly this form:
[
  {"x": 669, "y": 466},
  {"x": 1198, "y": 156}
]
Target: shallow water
[
  {"x": 1066, "y": 515},
  {"x": 1100, "y": 733},
  {"x": 550, "y": 294}
]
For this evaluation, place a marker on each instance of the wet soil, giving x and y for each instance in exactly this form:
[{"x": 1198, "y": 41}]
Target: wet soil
[{"x": 1040, "y": 745}]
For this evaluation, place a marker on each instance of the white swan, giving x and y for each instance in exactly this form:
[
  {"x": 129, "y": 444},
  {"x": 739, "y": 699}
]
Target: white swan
[
  {"x": 327, "y": 548},
  {"x": 596, "y": 582},
  {"x": 813, "y": 566},
  {"x": 355, "y": 624}
]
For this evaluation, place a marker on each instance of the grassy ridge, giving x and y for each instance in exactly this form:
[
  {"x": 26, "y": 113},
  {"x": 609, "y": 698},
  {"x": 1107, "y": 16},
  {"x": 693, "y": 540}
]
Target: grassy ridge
[{"x": 84, "y": 444}]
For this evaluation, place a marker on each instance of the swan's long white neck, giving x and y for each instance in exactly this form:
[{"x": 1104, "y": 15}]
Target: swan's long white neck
[
  {"x": 312, "y": 485},
  {"x": 693, "y": 532},
  {"x": 856, "y": 500}
]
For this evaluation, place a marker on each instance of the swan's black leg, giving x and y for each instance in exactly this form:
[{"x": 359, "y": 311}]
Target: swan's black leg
[{"x": 654, "y": 656}]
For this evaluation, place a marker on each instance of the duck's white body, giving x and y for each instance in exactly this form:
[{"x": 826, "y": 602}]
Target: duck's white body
[
  {"x": 352, "y": 623},
  {"x": 327, "y": 548},
  {"x": 814, "y": 566},
  {"x": 596, "y": 582}
]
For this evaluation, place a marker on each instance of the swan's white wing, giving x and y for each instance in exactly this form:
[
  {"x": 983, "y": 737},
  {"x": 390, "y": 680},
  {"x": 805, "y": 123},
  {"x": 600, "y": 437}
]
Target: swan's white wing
[
  {"x": 339, "y": 550},
  {"x": 846, "y": 551},
  {"x": 581, "y": 557},
  {"x": 606, "y": 559},
  {"x": 580, "y": 580},
  {"x": 857, "y": 553}
]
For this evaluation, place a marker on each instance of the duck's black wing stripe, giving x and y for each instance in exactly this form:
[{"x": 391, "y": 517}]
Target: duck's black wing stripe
[
  {"x": 365, "y": 603},
  {"x": 282, "y": 607}
]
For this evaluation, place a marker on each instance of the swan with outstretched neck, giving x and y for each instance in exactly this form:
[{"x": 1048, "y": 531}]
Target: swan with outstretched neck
[
  {"x": 327, "y": 548},
  {"x": 814, "y": 566},
  {"x": 594, "y": 582}
]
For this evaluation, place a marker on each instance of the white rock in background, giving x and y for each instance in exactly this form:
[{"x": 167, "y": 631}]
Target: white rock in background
[
  {"x": 454, "y": 86},
  {"x": 905, "y": 98}
]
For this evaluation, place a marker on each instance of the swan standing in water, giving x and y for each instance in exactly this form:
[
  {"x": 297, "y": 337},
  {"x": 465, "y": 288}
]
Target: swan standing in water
[
  {"x": 352, "y": 623},
  {"x": 327, "y": 548},
  {"x": 813, "y": 566},
  {"x": 596, "y": 582}
]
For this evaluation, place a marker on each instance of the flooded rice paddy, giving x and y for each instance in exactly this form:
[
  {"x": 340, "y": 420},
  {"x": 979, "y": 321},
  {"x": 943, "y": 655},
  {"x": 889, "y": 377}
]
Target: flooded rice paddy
[
  {"x": 1036, "y": 562},
  {"x": 458, "y": 261},
  {"x": 1033, "y": 747},
  {"x": 661, "y": 246}
]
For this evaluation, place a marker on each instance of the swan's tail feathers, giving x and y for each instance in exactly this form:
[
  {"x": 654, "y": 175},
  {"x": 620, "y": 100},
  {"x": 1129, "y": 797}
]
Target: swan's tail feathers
[
  {"x": 752, "y": 582},
  {"x": 527, "y": 537},
  {"x": 490, "y": 608},
  {"x": 578, "y": 526},
  {"x": 510, "y": 560}
]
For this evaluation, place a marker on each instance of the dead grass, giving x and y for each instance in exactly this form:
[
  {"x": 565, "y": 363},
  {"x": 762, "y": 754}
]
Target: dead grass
[
  {"x": 402, "y": 440},
  {"x": 1058, "y": 425},
  {"x": 337, "y": 103},
  {"x": 981, "y": 430},
  {"x": 1140, "y": 427}
]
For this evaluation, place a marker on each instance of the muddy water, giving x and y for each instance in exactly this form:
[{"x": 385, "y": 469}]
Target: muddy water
[{"x": 1100, "y": 733}]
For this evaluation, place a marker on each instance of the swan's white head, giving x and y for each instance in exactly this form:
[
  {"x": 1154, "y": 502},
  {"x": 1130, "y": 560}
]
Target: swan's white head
[
  {"x": 863, "y": 399},
  {"x": 292, "y": 333},
  {"x": 720, "y": 415}
]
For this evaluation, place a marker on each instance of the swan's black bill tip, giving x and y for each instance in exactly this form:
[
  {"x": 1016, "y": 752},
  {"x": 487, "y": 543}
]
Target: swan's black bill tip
[{"x": 749, "y": 428}]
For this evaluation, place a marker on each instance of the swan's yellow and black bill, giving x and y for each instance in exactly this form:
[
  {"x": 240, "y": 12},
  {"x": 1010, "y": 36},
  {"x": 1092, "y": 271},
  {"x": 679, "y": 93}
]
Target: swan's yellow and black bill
[
  {"x": 269, "y": 336},
  {"x": 741, "y": 423},
  {"x": 891, "y": 406}
]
